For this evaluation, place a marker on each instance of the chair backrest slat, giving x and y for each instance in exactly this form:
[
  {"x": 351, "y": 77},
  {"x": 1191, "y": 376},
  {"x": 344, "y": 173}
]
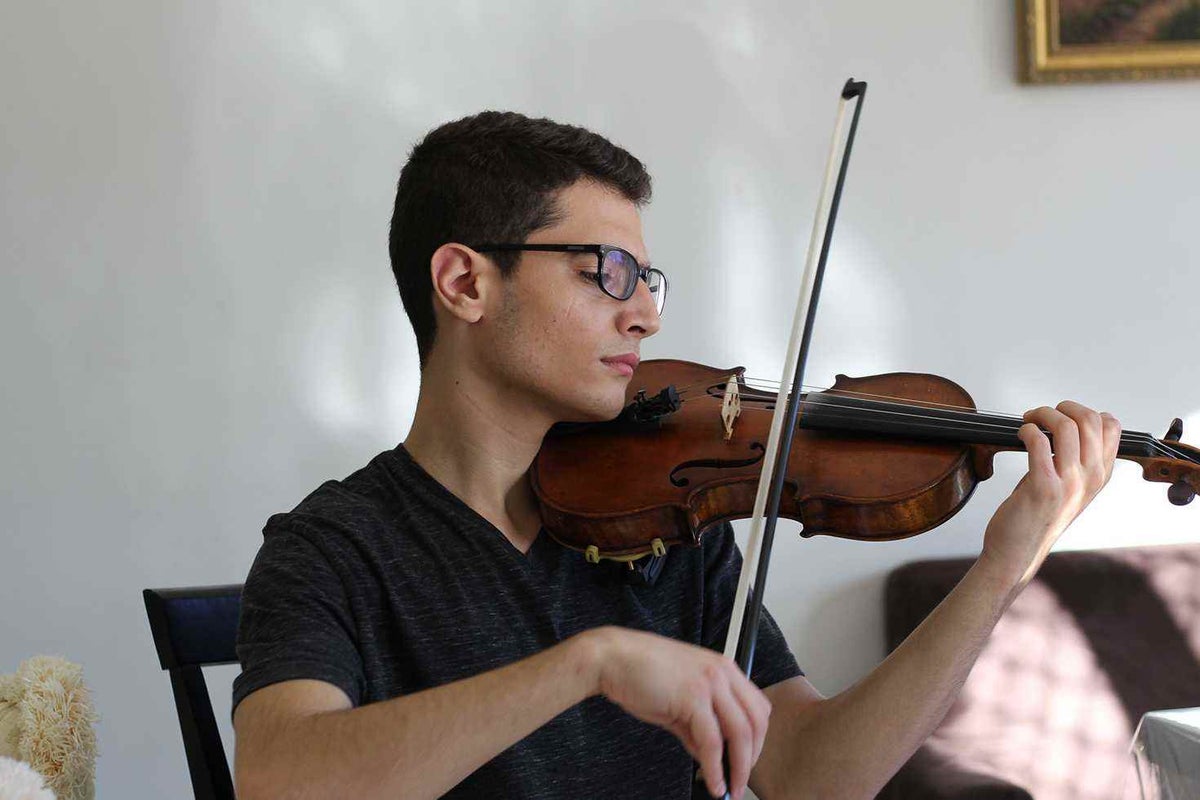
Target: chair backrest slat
[{"x": 195, "y": 627}]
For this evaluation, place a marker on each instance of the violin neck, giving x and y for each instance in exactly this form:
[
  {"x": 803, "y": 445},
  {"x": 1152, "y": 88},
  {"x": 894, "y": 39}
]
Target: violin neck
[{"x": 844, "y": 414}]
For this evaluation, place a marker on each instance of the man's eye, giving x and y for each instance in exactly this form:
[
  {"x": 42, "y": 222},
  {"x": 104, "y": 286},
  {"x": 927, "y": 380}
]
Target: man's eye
[{"x": 590, "y": 276}]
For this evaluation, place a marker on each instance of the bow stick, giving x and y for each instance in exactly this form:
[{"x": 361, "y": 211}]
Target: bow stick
[{"x": 743, "y": 622}]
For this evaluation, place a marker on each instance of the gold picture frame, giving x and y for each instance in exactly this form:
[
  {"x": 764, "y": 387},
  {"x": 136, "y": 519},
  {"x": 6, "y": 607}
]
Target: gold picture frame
[{"x": 1153, "y": 41}]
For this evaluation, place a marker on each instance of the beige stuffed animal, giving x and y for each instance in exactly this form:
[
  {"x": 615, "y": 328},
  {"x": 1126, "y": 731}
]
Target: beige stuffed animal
[
  {"x": 46, "y": 720},
  {"x": 19, "y": 781}
]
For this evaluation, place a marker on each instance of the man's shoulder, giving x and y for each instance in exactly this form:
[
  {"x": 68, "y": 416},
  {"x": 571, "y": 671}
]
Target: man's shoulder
[{"x": 364, "y": 499}]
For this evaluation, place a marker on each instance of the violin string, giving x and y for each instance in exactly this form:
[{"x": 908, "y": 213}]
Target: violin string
[
  {"x": 935, "y": 423},
  {"x": 940, "y": 423},
  {"x": 928, "y": 420},
  {"x": 771, "y": 385},
  {"x": 1127, "y": 437},
  {"x": 905, "y": 403},
  {"x": 764, "y": 383},
  {"x": 886, "y": 399}
]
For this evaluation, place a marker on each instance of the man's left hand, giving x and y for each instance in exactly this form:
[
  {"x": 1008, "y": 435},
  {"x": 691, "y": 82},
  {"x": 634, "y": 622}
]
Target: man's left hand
[{"x": 1056, "y": 489}]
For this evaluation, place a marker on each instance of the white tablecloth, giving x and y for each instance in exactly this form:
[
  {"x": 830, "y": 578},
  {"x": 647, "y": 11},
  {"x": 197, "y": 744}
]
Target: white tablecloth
[{"x": 1166, "y": 749}]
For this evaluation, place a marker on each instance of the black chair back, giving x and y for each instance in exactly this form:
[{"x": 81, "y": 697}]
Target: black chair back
[{"x": 196, "y": 627}]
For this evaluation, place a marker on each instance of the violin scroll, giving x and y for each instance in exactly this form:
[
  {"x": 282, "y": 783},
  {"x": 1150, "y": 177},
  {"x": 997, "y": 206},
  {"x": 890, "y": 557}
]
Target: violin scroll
[
  {"x": 1169, "y": 460},
  {"x": 1180, "y": 493}
]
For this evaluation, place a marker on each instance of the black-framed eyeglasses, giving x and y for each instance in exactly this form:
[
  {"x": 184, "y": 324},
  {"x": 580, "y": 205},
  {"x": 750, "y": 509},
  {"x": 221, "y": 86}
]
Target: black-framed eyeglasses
[{"x": 617, "y": 271}]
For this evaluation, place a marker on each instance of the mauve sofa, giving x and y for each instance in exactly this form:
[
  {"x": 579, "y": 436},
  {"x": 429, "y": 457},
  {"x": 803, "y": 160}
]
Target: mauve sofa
[{"x": 1097, "y": 639}]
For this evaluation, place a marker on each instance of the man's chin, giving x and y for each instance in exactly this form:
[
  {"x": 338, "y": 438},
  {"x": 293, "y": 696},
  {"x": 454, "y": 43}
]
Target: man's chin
[{"x": 600, "y": 412}]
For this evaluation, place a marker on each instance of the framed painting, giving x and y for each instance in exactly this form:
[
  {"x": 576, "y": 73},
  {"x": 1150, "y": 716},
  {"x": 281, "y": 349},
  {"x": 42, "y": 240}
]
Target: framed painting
[{"x": 1102, "y": 40}]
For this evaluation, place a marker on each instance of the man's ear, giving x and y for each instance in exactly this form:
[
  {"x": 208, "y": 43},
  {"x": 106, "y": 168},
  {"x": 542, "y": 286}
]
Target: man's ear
[{"x": 461, "y": 280}]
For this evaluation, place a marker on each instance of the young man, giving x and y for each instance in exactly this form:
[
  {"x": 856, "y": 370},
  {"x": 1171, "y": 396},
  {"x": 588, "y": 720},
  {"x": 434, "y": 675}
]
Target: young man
[{"x": 411, "y": 631}]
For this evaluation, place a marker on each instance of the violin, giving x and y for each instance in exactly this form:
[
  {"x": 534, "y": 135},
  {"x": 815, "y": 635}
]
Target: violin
[{"x": 873, "y": 458}]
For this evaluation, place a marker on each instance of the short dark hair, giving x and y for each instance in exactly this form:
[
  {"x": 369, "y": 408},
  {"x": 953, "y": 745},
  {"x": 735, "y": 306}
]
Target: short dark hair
[{"x": 491, "y": 177}]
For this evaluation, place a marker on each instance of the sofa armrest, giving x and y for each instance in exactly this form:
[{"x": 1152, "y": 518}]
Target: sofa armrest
[{"x": 933, "y": 775}]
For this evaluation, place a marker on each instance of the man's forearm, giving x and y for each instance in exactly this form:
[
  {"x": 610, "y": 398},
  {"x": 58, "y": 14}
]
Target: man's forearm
[
  {"x": 423, "y": 744},
  {"x": 855, "y": 741}
]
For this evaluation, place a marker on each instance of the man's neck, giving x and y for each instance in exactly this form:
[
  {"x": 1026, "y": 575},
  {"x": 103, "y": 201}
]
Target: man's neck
[{"x": 479, "y": 444}]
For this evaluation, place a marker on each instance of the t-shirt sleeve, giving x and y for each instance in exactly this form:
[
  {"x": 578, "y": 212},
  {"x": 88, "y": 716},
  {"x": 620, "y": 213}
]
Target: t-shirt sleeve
[
  {"x": 773, "y": 660},
  {"x": 296, "y": 620}
]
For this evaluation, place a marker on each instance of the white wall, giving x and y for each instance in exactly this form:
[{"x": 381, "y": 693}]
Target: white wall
[{"x": 199, "y": 325}]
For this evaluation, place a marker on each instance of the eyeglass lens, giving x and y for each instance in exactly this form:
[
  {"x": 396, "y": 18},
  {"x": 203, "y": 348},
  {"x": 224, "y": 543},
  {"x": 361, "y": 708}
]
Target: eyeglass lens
[{"x": 619, "y": 274}]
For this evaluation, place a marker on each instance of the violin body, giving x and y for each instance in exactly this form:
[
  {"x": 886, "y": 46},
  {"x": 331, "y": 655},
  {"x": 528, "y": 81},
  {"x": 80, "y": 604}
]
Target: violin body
[{"x": 616, "y": 489}]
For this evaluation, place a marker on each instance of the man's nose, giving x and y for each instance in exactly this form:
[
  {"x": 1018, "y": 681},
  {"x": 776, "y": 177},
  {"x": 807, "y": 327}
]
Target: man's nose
[{"x": 642, "y": 311}]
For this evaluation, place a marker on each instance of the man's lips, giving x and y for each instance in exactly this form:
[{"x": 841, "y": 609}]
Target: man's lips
[{"x": 625, "y": 364}]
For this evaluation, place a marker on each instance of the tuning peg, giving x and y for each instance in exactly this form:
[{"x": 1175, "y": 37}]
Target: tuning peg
[
  {"x": 1175, "y": 431},
  {"x": 1180, "y": 493}
]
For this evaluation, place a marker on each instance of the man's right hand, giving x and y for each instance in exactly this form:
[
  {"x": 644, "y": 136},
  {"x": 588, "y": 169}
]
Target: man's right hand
[{"x": 695, "y": 693}]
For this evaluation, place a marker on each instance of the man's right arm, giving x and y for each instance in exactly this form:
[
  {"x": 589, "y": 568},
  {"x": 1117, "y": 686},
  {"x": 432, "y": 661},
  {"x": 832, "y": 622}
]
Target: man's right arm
[
  {"x": 417, "y": 745},
  {"x": 301, "y": 739}
]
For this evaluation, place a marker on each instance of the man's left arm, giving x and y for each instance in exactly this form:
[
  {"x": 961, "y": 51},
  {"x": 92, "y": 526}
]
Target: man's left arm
[{"x": 850, "y": 745}]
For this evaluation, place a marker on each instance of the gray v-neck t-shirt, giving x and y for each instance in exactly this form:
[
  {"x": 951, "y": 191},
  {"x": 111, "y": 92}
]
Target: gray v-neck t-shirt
[{"x": 386, "y": 583}]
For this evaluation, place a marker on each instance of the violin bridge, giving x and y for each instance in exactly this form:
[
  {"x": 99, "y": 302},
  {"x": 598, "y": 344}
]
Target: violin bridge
[{"x": 731, "y": 406}]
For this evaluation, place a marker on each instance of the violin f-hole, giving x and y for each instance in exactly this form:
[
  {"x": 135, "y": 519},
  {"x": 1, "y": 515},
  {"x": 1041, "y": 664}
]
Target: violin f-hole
[{"x": 678, "y": 479}]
